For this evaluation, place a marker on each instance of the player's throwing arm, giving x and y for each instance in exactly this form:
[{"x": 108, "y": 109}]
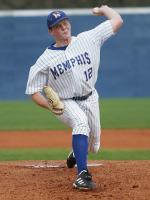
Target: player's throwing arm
[{"x": 111, "y": 14}]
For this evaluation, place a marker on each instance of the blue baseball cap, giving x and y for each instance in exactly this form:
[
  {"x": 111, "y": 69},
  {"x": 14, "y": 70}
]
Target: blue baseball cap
[{"x": 55, "y": 17}]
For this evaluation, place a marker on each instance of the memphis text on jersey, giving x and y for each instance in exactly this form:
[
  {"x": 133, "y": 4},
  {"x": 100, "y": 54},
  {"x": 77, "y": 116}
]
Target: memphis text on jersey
[{"x": 60, "y": 68}]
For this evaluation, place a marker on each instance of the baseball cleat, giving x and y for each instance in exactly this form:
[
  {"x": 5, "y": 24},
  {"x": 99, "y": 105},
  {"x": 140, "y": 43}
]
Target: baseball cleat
[
  {"x": 71, "y": 161},
  {"x": 84, "y": 181}
]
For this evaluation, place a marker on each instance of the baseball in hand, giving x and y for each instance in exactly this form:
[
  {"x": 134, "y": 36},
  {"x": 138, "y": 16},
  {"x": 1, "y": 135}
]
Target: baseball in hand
[{"x": 96, "y": 10}]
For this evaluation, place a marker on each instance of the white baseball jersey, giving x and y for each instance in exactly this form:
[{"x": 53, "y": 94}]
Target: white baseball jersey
[{"x": 72, "y": 71}]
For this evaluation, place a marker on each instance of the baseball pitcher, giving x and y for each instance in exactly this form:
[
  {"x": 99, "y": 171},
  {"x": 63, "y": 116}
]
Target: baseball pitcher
[{"x": 63, "y": 81}]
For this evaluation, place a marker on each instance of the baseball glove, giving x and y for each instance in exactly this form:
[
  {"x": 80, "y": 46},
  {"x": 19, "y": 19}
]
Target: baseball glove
[{"x": 55, "y": 105}]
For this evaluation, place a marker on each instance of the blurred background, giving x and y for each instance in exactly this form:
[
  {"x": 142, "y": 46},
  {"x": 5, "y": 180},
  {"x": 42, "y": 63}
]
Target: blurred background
[
  {"x": 124, "y": 76},
  {"x": 38, "y": 4}
]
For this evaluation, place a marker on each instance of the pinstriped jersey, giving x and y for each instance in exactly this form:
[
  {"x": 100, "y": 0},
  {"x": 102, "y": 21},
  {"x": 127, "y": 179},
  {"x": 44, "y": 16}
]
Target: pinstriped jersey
[{"x": 70, "y": 70}]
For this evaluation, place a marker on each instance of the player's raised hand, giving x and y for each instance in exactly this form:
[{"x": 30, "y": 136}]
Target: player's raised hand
[
  {"x": 114, "y": 17},
  {"x": 98, "y": 11}
]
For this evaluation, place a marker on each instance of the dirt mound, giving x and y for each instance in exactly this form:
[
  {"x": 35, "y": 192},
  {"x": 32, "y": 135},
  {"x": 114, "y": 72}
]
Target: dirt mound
[{"x": 38, "y": 180}]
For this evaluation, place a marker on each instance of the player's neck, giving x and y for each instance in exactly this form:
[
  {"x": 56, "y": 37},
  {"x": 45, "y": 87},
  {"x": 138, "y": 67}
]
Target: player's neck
[{"x": 62, "y": 43}]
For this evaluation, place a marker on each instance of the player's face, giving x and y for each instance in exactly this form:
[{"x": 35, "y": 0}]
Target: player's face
[{"x": 62, "y": 30}]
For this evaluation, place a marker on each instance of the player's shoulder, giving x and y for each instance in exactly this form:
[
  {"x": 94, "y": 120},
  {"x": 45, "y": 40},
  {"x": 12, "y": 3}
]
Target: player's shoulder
[
  {"x": 82, "y": 36},
  {"x": 42, "y": 60},
  {"x": 86, "y": 33},
  {"x": 47, "y": 54},
  {"x": 43, "y": 55},
  {"x": 102, "y": 25}
]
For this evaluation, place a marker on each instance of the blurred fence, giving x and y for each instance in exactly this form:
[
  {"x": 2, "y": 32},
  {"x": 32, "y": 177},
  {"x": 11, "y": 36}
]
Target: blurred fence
[
  {"x": 38, "y": 4},
  {"x": 125, "y": 62}
]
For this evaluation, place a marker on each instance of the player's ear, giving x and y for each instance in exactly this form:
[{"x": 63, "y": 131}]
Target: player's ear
[{"x": 50, "y": 31}]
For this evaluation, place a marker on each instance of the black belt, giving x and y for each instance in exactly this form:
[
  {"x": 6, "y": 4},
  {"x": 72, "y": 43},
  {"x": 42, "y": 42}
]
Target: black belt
[{"x": 81, "y": 98}]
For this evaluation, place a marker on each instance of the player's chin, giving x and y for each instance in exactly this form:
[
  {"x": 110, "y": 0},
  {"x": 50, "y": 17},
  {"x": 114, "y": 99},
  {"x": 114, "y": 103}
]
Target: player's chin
[
  {"x": 66, "y": 36},
  {"x": 67, "y": 33}
]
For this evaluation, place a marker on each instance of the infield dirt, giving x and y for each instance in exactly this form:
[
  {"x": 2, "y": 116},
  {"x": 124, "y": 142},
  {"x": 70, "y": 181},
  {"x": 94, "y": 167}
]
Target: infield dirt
[
  {"x": 35, "y": 180},
  {"x": 117, "y": 139}
]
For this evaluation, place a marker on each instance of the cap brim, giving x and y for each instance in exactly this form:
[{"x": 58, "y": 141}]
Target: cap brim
[{"x": 59, "y": 20}]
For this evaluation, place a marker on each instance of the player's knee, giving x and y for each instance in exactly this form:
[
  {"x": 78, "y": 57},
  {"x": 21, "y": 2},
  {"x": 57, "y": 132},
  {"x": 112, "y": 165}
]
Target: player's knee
[{"x": 81, "y": 127}]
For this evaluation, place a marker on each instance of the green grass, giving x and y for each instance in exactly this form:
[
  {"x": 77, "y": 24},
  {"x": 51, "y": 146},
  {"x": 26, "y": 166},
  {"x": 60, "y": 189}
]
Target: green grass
[
  {"x": 61, "y": 154},
  {"x": 26, "y": 115},
  {"x": 115, "y": 113},
  {"x": 125, "y": 113}
]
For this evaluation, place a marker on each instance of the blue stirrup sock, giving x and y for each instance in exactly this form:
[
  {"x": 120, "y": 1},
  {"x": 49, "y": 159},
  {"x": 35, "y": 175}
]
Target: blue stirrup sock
[{"x": 80, "y": 149}]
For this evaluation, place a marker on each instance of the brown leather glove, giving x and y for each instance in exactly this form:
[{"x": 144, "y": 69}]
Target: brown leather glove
[{"x": 55, "y": 104}]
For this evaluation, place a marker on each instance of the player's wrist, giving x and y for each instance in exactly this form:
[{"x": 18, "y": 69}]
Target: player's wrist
[{"x": 104, "y": 9}]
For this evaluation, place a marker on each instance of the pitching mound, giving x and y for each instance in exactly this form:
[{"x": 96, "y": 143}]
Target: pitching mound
[{"x": 51, "y": 180}]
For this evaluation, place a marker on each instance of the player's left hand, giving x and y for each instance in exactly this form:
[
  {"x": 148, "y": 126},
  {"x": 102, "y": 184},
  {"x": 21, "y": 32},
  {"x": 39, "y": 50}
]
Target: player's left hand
[{"x": 55, "y": 105}]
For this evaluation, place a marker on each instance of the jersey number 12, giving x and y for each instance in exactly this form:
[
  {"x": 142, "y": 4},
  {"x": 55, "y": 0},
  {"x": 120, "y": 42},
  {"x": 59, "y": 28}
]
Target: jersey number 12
[{"x": 88, "y": 74}]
